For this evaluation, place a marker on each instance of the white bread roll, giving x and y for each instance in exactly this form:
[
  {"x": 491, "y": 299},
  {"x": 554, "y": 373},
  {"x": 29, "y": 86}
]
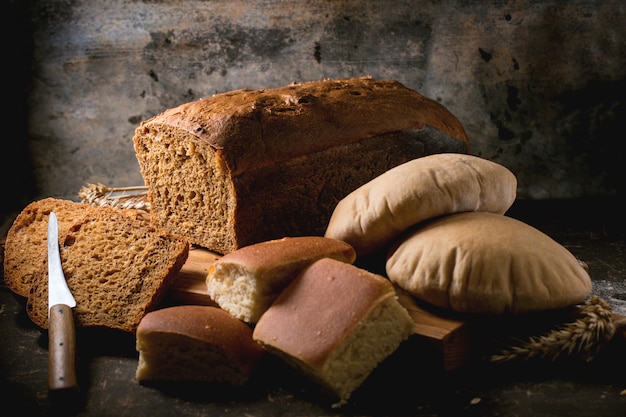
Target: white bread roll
[
  {"x": 370, "y": 217},
  {"x": 485, "y": 263},
  {"x": 246, "y": 282},
  {"x": 195, "y": 343},
  {"x": 335, "y": 323}
]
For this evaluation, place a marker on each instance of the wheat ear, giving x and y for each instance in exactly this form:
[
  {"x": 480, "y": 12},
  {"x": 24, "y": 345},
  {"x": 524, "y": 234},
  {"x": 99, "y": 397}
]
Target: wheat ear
[
  {"x": 135, "y": 198},
  {"x": 592, "y": 329}
]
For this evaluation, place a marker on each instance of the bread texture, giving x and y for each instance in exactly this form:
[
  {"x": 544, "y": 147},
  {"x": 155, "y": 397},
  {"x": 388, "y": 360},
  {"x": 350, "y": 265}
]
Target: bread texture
[
  {"x": 26, "y": 242},
  {"x": 335, "y": 323},
  {"x": 248, "y": 166},
  {"x": 195, "y": 343},
  {"x": 246, "y": 281},
  {"x": 118, "y": 269},
  {"x": 485, "y": 263},
  {"x": 372, "y": 216}
]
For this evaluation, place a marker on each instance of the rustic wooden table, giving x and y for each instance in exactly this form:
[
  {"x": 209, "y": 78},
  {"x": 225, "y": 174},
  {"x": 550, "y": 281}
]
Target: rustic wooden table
[{"x": 410, "y": 383}]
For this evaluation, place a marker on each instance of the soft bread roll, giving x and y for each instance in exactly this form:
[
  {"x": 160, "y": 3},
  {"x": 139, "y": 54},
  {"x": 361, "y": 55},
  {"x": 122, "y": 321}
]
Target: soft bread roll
[
  {"x": 335, "y": 323},
  {"x": 375, "y": 213},
  {"x": 195, "y": 343},
  {"x": 247, "y": 166},
  {"x": 245, "y": 282},
  {"x": 485, "y": 263}
]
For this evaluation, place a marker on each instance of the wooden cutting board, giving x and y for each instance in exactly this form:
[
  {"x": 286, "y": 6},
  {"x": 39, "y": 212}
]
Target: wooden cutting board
[{"x": 446, "y": 337}]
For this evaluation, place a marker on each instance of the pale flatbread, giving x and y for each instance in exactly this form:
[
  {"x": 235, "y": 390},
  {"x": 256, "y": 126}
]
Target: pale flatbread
[
  {"x": 485, "y": 263},
  {"x": 372, "y": 215}
]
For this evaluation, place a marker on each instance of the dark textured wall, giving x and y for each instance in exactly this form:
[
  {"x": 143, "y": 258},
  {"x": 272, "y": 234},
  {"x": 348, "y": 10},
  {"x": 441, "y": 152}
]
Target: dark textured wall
[{"x": 540, "y": 86}]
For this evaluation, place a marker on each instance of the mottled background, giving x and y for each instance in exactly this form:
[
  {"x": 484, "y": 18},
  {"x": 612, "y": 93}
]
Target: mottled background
[{"x": 540, "y": 86}]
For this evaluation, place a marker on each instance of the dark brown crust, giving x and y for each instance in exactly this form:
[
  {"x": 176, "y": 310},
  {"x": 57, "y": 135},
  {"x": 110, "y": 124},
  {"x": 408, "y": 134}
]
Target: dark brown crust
[
  {"x": 249, "y": 166},
  {"x": 256, "y": 128}
]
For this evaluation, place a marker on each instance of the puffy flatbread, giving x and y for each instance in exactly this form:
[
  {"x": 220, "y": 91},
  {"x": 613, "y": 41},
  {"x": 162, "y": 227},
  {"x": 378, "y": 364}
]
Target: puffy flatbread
[
  {"x": 485, "y": 263},
  {"x": 370, "y": 217}
]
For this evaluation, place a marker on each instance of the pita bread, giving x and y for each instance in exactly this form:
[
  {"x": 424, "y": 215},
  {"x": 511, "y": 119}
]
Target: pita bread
[
  {"x": 485, "y": 263},
  {"x": 373, "y": 215}
]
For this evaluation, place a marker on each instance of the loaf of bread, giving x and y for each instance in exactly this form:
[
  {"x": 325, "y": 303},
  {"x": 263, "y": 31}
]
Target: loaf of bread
[
  {"x": 335, "y": 323},
  {"x": 118, "y": 269},
  {"x": 248, "y": 166},
  {"x": 486, "y": 263},
  {"x": 246, "y": 281},
  {"x": 370, "y": 217},
  {"x": 26, "y": 247},
  {"x": 195, "y": 343}
]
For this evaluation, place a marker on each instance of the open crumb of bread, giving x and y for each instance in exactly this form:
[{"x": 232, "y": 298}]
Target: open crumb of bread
[
  {"x": 246, "y": 166},
  {"x": 117, "y": 267},
  {"x": 26, "y": 243},
  {"x": 246, "y": 282}
]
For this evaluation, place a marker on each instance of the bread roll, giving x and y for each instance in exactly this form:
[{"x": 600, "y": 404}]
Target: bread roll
[
  {"x": 370, "y": 217},
  {"x": 485, "y": 263},
  {"x": 335, "y": 323},
  {"x": 245, "y": 282},
  {"x": 195, "y": 343},
  {"x": 248, "y": 166}
]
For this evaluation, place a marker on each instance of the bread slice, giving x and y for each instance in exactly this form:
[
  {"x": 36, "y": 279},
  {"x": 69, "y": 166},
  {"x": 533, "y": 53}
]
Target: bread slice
[
  {"x": 118, "y": 269},
  {"x": 247, "y": 166},
  {"x": 195, "y": 343},
  {"x": 246, "y": 282},
  {"x": 335, "y": 323},
  {"x": 26, "y": 242}
]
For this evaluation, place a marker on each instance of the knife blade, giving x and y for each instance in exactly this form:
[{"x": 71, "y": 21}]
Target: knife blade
[{"x": 61, "y": 331}]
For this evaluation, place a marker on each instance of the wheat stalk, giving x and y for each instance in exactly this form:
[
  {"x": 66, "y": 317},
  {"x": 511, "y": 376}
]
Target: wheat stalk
[
  {"x": 134, "y": 198},
  {"x": 592, "y": 329}
]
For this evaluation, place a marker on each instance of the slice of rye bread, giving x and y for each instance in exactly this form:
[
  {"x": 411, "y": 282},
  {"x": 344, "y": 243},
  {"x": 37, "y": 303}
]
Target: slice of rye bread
[
  {"x": 118, "y": 269},
  {"x": 25, "y": 247}
]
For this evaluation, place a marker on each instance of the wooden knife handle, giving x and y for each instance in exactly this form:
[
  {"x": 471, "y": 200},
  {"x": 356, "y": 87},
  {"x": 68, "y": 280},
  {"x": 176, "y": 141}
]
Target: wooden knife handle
[{"x": 61, "y": 349}]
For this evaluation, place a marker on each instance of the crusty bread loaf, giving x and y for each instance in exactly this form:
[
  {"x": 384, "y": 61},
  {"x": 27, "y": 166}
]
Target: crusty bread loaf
[
  {"x": 253, "y": 165},
  {"x": 335, "y": 323},
  {"x": 246, "y": 281},
  {"x": 117, "y": 268},
  {"x": 485, "y": 263},
  {"x": 195, "y": 343},
  {"x": 26, "y": 242},
  {"x": 371, "y": 216}
]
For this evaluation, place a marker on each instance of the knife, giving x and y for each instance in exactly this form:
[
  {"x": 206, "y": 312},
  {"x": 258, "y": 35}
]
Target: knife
[{"x": 61, "y": 331}]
